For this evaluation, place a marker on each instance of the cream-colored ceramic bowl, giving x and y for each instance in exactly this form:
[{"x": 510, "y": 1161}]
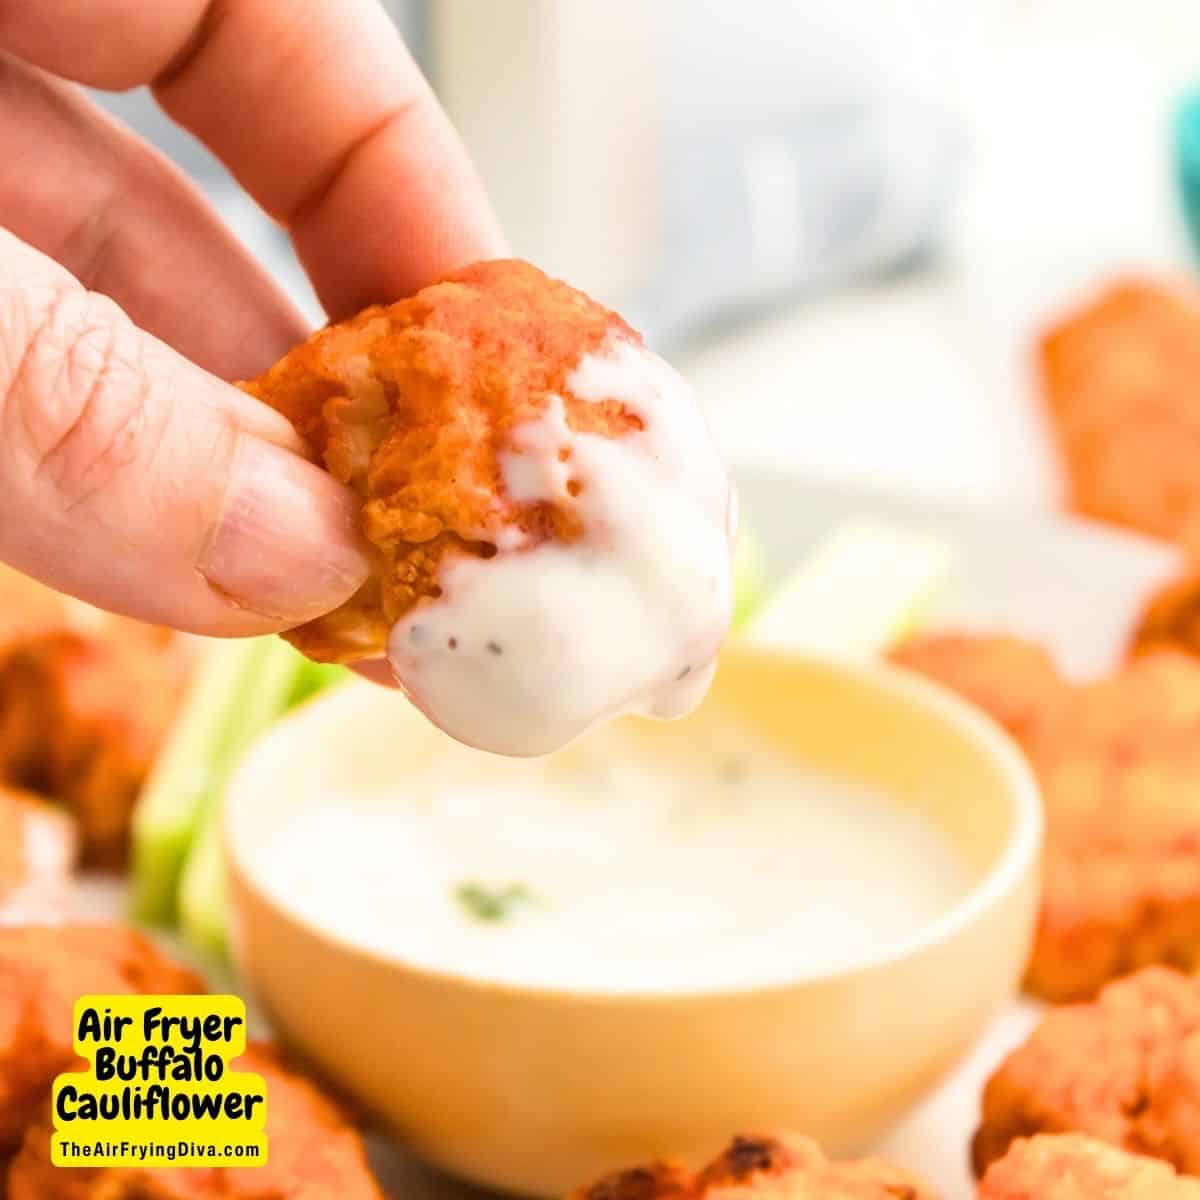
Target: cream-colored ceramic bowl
[{"x": 534, "y": 1090}]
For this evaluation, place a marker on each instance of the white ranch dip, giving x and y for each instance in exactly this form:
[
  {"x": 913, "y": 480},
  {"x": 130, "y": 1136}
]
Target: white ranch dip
[
  {"x": 603, "y": 868},
  {"x": 526, "y": 650}
]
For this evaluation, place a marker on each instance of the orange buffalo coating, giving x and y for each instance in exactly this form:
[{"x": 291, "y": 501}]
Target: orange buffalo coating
[
  {"x": 413, "y": 405},
  {"x": 1124, "y": 1069},
  {"x": 1121, "y": 382},
  {"x": 86, "y": 699},
  {"x": 37, "y": 850},
  {"x": 1014, "y": 681},
  {"x": 1119, "y": 765},
  {"x": 761, "y": 1168},
  {"x": 1070, "y": 1167},
  {"x": 1171, "y": 619},
  {"x": 1120, "y": 769},
  {"x": 313, "y": 1154},
  {"x": 43, "y": 971}
]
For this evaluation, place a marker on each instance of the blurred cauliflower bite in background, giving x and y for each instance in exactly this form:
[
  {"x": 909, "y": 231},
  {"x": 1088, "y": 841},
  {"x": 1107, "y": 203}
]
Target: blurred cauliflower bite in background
[
  {"x": 1118, "y": 761},
  {"x": 86, "y": 699},
  {"x": 1124, "y": 1069},
  {"x": 1069, "y": 1167},
  {"x": 1119, "y": 379},
  {"x": 43, "y": 971},
  {"x": 313, "y": 1153},
  {"x": 1171, "y": 618},
  {"x": 762, "y": 1168},
  {"x": 550, "y": 524}
]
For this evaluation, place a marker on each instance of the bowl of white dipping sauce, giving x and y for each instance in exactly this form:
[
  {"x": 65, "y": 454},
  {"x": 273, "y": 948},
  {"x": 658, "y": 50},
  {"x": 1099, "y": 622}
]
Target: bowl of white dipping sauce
[{"x": 794, "y": 909}]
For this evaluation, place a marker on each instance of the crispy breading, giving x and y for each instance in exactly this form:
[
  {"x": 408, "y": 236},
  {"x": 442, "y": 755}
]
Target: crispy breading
[
  {"x": 762, "y": 1168},
  {"x": 1170, "y": 619},
  {"x": 85, "y": 700},
  {"x": 38, "y": 845},
  {"x": 314, "y": 1153},
  {"x": 1120, "y": 770},
  {"x": 1121, "y": 383},
  {"x": 1124, "y": 1069},
  {"x": 81, "y": 719},
  {"x": 1014, "y": 681},
  {"x": 1070, "y": 1167},
  {"x": 1118, "y": 761},
  {"x": 413, "y": 405},
  {"x": 43, "y": 971}
]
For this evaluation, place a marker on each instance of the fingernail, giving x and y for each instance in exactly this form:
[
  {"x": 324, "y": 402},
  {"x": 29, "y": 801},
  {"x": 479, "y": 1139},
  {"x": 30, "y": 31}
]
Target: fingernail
[{"x": 287, "y": 544}]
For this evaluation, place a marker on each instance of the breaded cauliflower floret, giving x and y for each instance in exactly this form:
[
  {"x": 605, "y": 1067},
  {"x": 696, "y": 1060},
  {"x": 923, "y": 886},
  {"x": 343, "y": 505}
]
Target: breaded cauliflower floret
[
  {"x": 413, "y": 404},
  {"x": 1015, "y": 682},
  {"x": 1118, "y": 761},
  {"x": 1120, "y": 380},
  {"x": 313, "y": 1153},
  {"x": 1171, "y": 619},
  {"x": 762, "y": 1168},
  {"x": 43, "y": 971},
  {"x": 82, "y": 716},
  {"x": 1120, "y": 770},
  {"x": 86, "y": 698},
  {"x": 550, "y": 524},
  {"x": 1069, "y": 1167},
  {"x": 1124, "y": 1069}
]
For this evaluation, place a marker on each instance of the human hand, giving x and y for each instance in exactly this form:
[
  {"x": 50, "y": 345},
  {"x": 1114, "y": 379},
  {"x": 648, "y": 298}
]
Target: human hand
[{"x": 130, "y": 474}]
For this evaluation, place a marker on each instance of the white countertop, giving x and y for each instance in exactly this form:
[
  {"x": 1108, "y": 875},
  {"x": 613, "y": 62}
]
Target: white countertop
[{"x": 882, "y": 384}]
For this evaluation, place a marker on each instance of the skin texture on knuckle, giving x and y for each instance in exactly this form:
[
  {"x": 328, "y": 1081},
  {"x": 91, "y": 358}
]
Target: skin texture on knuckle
[{"x": 74, "y": 385}]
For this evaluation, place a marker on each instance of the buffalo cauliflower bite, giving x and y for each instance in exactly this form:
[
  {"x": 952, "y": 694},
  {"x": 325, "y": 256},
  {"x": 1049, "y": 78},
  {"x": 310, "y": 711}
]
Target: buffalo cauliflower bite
[
  {"x": 762, "y": 1168},
  {"x": 1171, "y": 619},
  {"x": 1118, "y": 761},
  {"x": 1119, "y": 379},
  {"x": 314, "y": 1153},
  {"x": 1070, "y": 1167},
  {"x": 82, "y": 716},
  {"x": 1014, "y": 681},
  {"x": 43, "y": 971},
  {"x": 1124, "y": 1069},
  {"x": 86, "y": 698},
  {"x": 1120, "y": 769},
  {"x": 549, "y": 523}
]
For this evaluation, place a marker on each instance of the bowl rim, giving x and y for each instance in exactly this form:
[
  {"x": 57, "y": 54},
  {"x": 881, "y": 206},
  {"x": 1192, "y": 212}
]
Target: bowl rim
[{"x": 1018, "y": 855}]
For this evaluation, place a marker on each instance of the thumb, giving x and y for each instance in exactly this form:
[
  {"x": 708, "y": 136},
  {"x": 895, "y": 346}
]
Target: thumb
[{"x": 134, "y": 480}]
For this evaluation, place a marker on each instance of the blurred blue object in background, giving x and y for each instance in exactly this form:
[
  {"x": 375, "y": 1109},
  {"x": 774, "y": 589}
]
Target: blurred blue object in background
[{"x": 1187, "y": 162}]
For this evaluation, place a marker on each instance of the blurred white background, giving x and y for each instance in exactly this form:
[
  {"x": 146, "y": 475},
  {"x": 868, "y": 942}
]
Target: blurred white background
[{"x": 846, "y": 221}]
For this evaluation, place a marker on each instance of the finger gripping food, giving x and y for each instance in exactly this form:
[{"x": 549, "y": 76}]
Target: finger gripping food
[
  {"x": 1123, "y": 1069},
  {"x": 762, "y": 1168},
  {"x": 550, "y": 525}
]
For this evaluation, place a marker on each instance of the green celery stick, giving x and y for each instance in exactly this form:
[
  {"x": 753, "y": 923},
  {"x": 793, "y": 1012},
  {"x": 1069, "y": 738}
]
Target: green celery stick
[
  {"x": 201, "y": 898},
  {"x": 313, "y": 677},
  {"x": 203, "y": 903},
  {"x": 185, "y": 772},
  {"x": 749, "y": 583},
  {"x": 865, "y": 587}
]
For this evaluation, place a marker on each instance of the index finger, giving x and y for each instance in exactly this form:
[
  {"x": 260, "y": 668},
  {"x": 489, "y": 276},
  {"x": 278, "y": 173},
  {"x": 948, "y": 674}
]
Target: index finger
[{"x": 316, "y": 107}]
